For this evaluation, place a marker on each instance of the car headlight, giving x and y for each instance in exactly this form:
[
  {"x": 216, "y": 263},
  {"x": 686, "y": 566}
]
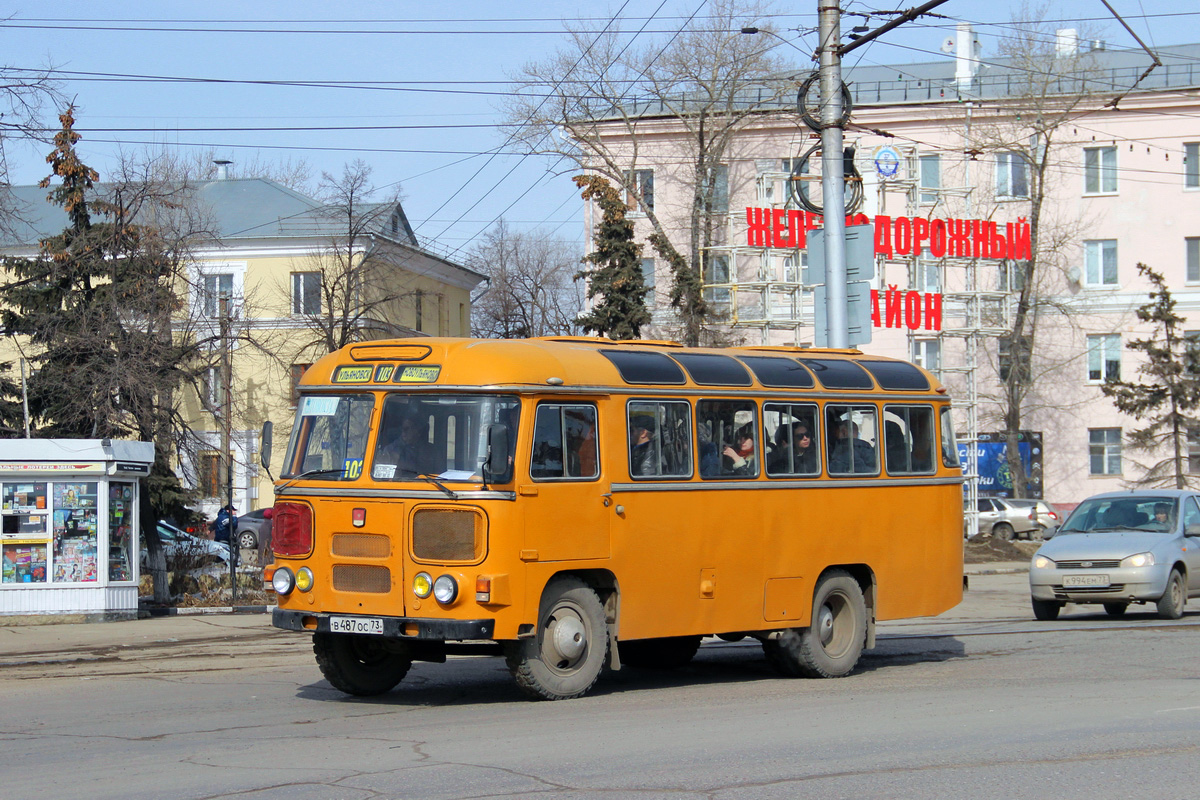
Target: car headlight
[
  {"x": 422, "y": 585},
  {"x": 304, "y": 579},
  {"x": 1041, "y": 562},
  {"x": 283, "y": 581},
  {"x": 445, "y": 589},
  {"x": 1139, "y": 560}
]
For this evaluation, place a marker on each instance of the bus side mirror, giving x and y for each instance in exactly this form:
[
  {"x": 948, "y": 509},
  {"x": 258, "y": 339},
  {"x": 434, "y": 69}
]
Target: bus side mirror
[
  {"x": 264, "y": 448},
  {"x": 496, "y": 464}
]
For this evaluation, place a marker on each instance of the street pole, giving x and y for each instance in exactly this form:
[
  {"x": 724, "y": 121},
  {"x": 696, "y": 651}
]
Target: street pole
[
  {"x": 227, "y": 437},
  {"x": 833, "y": 186}
]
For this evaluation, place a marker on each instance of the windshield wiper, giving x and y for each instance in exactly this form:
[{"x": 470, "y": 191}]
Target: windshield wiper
[
  {"x": 309, "y": 474},
  {"x": 433, "y": 479}
]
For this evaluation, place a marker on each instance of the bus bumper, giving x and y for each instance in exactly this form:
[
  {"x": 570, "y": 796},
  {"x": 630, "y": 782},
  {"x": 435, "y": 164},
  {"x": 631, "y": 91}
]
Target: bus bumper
[{"x": 392, "y": 627}]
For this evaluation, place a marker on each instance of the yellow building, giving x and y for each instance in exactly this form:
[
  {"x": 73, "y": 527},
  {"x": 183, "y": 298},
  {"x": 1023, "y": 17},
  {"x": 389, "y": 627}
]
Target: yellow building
[{"x": 299, "y": 279}]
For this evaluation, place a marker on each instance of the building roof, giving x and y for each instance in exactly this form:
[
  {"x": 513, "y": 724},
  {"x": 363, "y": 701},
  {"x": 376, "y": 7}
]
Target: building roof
[
  {"x": 247, "y": 208},
  {"x": 1099, "y": 71}
]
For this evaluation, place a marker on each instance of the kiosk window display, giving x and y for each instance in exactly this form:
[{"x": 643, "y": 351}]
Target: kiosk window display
[{"x": 68, "y": 520}]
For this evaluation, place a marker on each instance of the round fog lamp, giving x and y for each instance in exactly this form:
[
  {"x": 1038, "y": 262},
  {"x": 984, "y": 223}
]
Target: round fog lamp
[
  {"x": 283, "y": 581},
  {"x": 422, "y": 585},
  {"x": 304, "y": 579},
  {"x": 445, "y": 589}
]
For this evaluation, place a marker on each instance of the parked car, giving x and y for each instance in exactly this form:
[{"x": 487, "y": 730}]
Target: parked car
[
  {"x": 250, "y": 528},
  {"x": 184, "y": 550},
  {"x": 1045, "y": 515},
  {"x": 1003, "y": 519},
  {"x": 1119, "y": 548}
]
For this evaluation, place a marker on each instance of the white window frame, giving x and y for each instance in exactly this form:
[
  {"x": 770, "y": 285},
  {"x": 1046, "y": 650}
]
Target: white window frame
[
  {"x": 1096, "y": 252},
  {"x": 1103, "y": 357},
  {"x": 1191, "y": 166},
  {"x": 300, "y": 295},
  {"x": 1191, "y": 255},
  {"x": 648, "y": 276},
  {"x": 200, "y": 275},
  {"x": 640, "y": 178},
  {"x": 1008, "y": 165},
  {"x": 930, "y": 168},
  {"x": 1100, "y": 171},
  {"x": 1101, "y": 445},
  {"x": 927, "y": 353}
]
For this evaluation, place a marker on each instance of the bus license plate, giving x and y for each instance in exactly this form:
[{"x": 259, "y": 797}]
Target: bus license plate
[
  {"x": 1085, "y": 580},
  {"x": 356, "y": 625}
]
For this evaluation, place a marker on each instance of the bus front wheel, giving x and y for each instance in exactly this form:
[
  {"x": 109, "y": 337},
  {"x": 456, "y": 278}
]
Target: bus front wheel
[
  {"x": 831, "y": 646},
  {"x": 358, "y": 664},
  {"x": 565, "y": 656}
]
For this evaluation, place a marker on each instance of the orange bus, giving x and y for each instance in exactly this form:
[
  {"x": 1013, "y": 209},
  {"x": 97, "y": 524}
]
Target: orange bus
[{"x": 578, "y": 503}]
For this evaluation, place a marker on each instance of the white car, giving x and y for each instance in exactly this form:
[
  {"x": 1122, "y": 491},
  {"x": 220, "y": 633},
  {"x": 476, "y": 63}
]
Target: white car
[
  {"x": 1119, "y": 548},
  {"x": 185, "y": 550}
]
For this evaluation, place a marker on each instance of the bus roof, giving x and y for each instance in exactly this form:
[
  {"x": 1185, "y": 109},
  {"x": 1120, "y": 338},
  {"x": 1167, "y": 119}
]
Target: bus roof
[{"x": 595, "y": 362}]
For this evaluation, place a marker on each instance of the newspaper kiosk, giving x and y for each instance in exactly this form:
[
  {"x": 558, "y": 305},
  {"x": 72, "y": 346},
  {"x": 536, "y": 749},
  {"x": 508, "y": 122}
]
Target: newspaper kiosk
[{"x": 69, "y": 525}]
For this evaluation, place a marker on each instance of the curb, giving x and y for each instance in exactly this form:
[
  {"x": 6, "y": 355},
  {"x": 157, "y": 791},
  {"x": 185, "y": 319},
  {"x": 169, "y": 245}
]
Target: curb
[{"x": 145, "y": 613}]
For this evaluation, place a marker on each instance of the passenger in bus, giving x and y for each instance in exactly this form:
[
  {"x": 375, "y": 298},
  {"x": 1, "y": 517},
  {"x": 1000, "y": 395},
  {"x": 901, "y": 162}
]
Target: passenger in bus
[
  {"x": 849, "y": 453},
  {"x": 710, "y": 459},
  {"x": 643, "y": 456},
  {"x": 738, "y": 458},
  {"x": 411, "y": 451},
  {"x": 801, "y": 457}
]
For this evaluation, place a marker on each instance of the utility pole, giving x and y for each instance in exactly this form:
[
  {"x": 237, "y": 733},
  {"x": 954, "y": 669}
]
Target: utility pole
[
  {"x": 833, "y": 178},
  {"x": 227, "y": 436}
]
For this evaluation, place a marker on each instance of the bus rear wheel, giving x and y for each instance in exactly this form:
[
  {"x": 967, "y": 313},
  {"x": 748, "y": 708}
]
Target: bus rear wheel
[
  {"x": 565, "y": 656},
  {"x": 359, "y": 665},
  {"x": 670, "y": 652},
  {"x": 831, "y": 646}
]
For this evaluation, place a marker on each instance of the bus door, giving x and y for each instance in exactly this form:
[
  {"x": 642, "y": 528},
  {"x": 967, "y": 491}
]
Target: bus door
[{"x": 565, "y": 514}]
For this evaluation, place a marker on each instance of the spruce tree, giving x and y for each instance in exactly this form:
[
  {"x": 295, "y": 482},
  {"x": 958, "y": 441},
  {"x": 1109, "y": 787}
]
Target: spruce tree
[
  {"x": 617, "y": 278},
  {"x": 1168, "y": 400},
  {"x": 93, "y": 313}
]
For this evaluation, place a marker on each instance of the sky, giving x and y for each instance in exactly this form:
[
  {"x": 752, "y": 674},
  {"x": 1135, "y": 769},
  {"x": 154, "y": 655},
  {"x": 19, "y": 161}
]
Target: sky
[{"x": 413, "y": 89}]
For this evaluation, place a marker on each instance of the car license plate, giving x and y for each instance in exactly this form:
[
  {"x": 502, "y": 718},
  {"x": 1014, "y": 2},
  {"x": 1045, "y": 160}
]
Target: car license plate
[
  {"x": 1085, "y": 580},
  {"x": 356, "y": 625}
]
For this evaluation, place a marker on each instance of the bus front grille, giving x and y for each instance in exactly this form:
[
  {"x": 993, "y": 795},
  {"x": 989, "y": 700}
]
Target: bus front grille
[
  {"x": 362, "y": 578},
  {"x": 442, "y": 534},
  {"x": 361, "y": 545}
]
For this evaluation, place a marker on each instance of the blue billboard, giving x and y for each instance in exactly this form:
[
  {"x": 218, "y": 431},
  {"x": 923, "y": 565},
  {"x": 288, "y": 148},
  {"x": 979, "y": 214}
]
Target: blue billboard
[{"x": 995, "y": 478}]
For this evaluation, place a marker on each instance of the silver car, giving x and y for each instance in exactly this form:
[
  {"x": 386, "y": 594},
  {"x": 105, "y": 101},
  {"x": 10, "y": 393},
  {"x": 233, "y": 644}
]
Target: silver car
[
  {"x": 1003, "y": 519},
  {"x": 1045, "y": 516},
  {"x": 1120, "y": 548}
]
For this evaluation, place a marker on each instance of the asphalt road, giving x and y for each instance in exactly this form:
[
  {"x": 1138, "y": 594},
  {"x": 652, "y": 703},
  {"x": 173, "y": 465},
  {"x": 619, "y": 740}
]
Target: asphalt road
[{"x": 982, "y": 702}]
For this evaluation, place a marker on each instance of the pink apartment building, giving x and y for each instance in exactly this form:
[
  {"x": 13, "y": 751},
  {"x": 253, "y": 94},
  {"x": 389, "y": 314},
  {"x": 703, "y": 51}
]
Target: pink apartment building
[{"x": 948, "y": 152}]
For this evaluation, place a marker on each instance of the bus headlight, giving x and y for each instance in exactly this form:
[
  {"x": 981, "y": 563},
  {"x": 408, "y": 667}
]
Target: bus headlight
[
  {"x": 283, "y": 581},
  {"x": 445, "y": 589},
  {"x": 304, "y": 579},
  {"x": 422, "y": 585}
]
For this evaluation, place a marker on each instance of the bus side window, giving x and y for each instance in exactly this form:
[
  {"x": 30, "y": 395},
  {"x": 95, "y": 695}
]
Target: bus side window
[
  {"x": 851, "y": 436},
  {"x": 564, "y": 442},
  {"x": 908, "y": 439},
  {"x": 791, "y": 437},
  {"x": 660, "y": 439},
  {"x": 728, "y": 431}
]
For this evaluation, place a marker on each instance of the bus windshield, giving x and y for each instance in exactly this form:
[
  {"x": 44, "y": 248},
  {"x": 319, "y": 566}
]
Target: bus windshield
[
  {"x": 440, "y": 435},
  {"x": 330, "y": 436}
]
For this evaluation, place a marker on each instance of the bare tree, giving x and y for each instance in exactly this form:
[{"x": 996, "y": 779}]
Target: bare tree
[
  {"x": 608, "y": 96},
  {"x": 531, "y": 288},
  {"x": 1026, "y": 132},
  {"x": 23, "y": 94}
]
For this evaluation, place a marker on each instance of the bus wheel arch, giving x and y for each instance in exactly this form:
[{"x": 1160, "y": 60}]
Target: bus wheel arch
[
  {"x": 569, "y": 645},
  {"x": 839, "y": 631}
]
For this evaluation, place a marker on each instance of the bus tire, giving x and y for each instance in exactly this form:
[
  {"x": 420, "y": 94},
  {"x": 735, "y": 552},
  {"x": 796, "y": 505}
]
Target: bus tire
[
  {"x": 358, "y": 664},
  {"x": 565, "y": 656},
  {"x": 670, "y": 652},
  {"x": 831, "y": 646}
]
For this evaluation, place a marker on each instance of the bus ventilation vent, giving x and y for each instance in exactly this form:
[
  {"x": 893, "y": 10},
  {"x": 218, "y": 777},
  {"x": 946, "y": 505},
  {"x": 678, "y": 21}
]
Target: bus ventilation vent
[
  {"x": 361, "y": 545},
  {"x": 447, "y": 535},
  {"x": 362, "y": 578}
]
